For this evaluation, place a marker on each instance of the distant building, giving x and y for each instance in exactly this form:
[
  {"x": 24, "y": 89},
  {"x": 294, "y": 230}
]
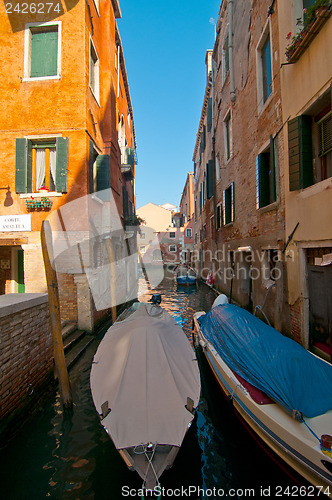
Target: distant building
[
  {"x": 169, "y": 206},
  {"x": 187, "y": 211},
  {"x": 159, "y": 238}
]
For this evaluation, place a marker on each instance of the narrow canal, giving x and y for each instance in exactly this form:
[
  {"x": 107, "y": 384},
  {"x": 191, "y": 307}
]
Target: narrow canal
[{"x": 69, "y": 456}]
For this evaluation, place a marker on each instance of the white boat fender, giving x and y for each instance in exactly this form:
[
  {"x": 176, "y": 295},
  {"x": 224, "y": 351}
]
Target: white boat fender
[
  {"x": 202, "y": 344},
  {"x": 221, "y": 300}
]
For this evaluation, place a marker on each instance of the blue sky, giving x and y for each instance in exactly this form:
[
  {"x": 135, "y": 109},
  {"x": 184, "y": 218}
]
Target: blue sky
[{"x": 164, "y": 46}]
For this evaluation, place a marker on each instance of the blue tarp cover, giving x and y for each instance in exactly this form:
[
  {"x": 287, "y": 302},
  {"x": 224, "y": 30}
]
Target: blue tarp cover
[{"x": 277, "y": 365}]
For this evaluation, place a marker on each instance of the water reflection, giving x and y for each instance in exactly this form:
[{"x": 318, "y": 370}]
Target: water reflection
[{"x": 69, "y": 456}]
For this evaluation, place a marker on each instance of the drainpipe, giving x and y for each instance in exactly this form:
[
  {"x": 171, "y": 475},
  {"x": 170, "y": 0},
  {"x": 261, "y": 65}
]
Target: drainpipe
[{"x": 230, "y": 49}]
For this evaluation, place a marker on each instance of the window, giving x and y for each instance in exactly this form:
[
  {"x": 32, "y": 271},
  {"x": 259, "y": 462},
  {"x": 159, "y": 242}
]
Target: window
[
  {"x": 264, "y": 68},
  {"x": 325, "y": 146},
  {"x": 99, "y": 173},
  {"x": 217, "y": 169},
  {"x": 209, "y": 115},
  {"x": 41, "y": 163},
  {"x": 310, "y": 145},
  {"x": 42, "y": 54},
  {"x": 142, "y": 236},
  {"x": 267, "y": 70},
  {"x": 94, "y": 71},
  {"x": 172, "y": 235},
  {"x": 203, "y": 139},
  {"x": 228, "y": 215},
  {"x": 209, "y": 179},
  {"x": 228, "y": 136},
  {"x": 266, "y": 192},
  {"x": 172, "y": 248},
  {"x": 189, "y": 232}
]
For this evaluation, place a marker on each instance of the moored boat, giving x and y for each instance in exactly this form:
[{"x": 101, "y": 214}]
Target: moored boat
[
  {"x": 185, "y": 275},
  {"x": 145, "y": 385},
  {"x": 280, "y": 391}
]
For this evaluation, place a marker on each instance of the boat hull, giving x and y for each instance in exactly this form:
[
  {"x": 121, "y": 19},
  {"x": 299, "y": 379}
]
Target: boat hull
[
  {"x": 287, "y": 438},
  {"x": 145, "y": 385},
  {"x": 161, "y": 459}
]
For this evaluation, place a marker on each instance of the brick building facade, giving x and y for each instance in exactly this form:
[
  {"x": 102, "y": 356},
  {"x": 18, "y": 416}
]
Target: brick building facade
[
  {"x": 238, "y": 162},
  {"x": 263, "y": 165}
]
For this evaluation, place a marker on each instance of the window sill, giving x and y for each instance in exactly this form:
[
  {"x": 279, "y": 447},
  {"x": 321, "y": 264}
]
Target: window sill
[
  {"x": 268, "y": 208},
  {"x": 50, "y": 194},
  {"x": 265, "y": 104},
  {"x": 41, "y": 78},
  {"x": 316, "y": 188}
]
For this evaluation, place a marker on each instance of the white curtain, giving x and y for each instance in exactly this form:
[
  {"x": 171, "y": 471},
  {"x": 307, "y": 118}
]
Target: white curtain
[
  {"x": 40, "y": 168},
  {"x": 52, "y": 168}
]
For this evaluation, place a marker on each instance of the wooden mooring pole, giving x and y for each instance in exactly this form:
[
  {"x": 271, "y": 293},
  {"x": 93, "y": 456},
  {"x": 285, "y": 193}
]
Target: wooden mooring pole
[
  {"x": 54, "y": 306},
  {"x": 111, "y": 258}
]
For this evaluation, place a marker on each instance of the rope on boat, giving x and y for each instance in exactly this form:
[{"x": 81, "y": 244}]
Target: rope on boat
[
  {"x": 312, "y": 432},
  {"x": 149, "y": 456}
]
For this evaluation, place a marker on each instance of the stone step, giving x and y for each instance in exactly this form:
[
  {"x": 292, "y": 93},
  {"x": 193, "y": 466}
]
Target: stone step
[
  {"x": 72, "y": 338},
  {"x": 67, "y": 329},
  {"x": 77, "y": 349}
]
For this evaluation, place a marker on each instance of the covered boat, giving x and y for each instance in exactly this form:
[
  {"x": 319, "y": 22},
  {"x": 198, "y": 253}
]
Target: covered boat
[
  {"x": 278, "y": 388},
  {"x": 145, "y": 385},
  {"x": 185, "y": 276}
]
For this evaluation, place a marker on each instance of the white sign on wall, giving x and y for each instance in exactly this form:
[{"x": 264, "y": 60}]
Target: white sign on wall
[{"x": 10, "y": 223}]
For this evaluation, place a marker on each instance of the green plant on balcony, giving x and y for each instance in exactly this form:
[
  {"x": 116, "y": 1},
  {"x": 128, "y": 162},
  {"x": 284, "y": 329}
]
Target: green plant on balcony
[
  {"x": 134, "y": 220},
  {"x": 43, "y": 203},
  {"x": 310, "y": 17}
]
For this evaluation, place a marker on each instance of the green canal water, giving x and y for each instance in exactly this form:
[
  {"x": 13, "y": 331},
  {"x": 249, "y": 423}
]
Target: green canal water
[{"x": 59, "y": 455}]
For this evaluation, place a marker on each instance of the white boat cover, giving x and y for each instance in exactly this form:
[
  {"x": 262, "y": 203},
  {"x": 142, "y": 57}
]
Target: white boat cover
[{"x": 146, "y": 369}]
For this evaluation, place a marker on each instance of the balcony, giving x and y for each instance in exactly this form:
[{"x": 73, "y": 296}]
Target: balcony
[
  {"x": 128, "y": 163},
  {"x": 302, "y": 40}
]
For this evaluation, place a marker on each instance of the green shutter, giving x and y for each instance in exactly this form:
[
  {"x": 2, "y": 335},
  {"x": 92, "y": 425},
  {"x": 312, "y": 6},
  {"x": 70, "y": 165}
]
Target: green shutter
[
  {"x": 226, "y": 49},
  {"x": 37, "y": 50},
  {"x": 209, "y": 114},
  {"x": 131, "y": 158},
  {"x": 20, "y": 271},
  {"x": 272, "y": 172},
  {"x": 90, "y": 172},
  {"x": 23, "y": 178},
  {"x": 228, "y": 204},
  {"x": 62, "y": 144},
  {"x": 262, "y": 176},
  {"x": 306, "y": 151},
  {"x": 44, "y": 53},
  {"x": 103, "y": 174},
  {"x": 209, "y": 179},
  {"x": 219, "y": 217},
  {"x": 300, "y": 153}
]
